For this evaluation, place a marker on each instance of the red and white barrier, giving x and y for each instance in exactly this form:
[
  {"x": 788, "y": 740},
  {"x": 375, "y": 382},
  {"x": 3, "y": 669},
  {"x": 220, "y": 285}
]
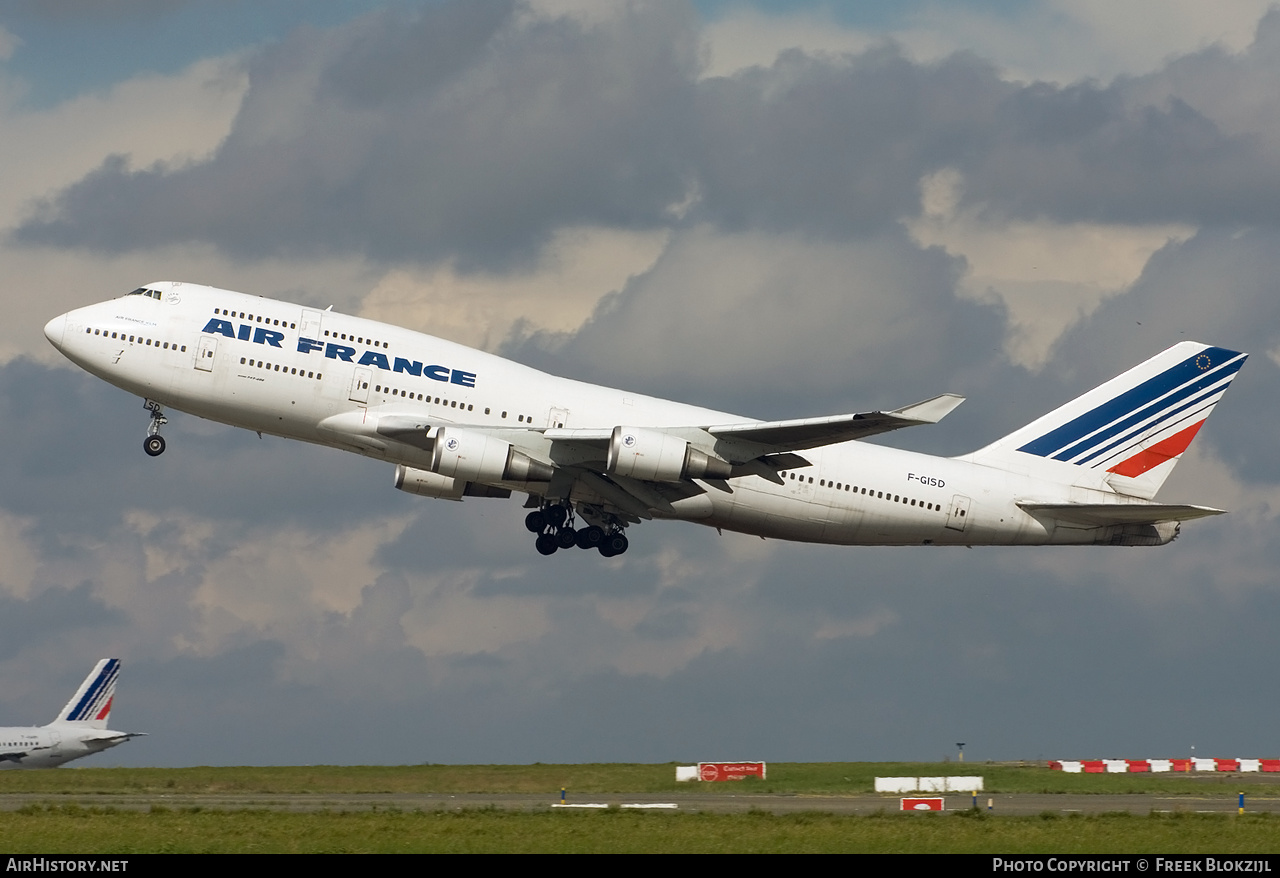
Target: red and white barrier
[{"x": 1120, "y": 766}]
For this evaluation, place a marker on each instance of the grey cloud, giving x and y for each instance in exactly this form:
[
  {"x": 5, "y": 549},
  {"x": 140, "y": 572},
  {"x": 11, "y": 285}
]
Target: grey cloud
[
  {"x": 387, "y": 61},
  {"x": 1067, "y": 666},
  {"x": 1217, "y": 288},
  {"x": 481, "y": 157},
  {"x": 772, "y": 326},
  {"x": 53, "y": 613},
  {"x": 820, "y": 653},
  {"x": 475, "y": 131},
  {"x": 74, "y": 10},
  {"x": 1074, "y": 655},
  {"x": 70, "y": 436},
  {"x": 836, "y": 148}
]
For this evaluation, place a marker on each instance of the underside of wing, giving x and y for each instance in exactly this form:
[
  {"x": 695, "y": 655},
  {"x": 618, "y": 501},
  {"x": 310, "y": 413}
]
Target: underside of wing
[{"x": 1104, "y": 514}]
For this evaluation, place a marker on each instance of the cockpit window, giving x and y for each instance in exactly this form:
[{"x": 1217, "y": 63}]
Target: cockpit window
[{"x": 143, "y": 291}]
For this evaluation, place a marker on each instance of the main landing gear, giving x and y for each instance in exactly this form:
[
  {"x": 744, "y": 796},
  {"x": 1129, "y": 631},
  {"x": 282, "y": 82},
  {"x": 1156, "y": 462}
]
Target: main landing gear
[
  {"x": 154, "y": 443},
  {"x": 554, "y": 526}
]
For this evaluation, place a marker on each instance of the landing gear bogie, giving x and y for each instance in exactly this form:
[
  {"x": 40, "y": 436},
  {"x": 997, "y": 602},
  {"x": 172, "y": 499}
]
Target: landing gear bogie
[{"x": 554, "y": 524}]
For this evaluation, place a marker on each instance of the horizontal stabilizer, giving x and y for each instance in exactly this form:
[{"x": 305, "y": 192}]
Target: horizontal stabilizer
[
  {"x": 111, "y": 737},
  {"x": 1105, "y": 514}
]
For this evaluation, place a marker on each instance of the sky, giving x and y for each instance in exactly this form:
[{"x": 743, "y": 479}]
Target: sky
[{"x": 777, "y": 209}]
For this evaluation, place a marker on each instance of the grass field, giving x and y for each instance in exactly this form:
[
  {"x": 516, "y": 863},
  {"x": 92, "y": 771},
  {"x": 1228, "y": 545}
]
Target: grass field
[
  {"x": 52, "y": 828},
  {"x": 828, "y": 778},
  {"x": 68, "y": 830}
]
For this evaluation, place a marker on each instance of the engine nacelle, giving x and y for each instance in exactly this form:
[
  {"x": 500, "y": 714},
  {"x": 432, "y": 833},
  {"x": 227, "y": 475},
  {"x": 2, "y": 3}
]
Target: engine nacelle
[
  {"x": 428, "y": 484},
  {"x": 477, "y": 457},
  {"x": 657, "y": 457}
]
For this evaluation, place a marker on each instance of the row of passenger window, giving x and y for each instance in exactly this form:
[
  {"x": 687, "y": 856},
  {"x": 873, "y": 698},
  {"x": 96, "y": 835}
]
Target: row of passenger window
[
  {"x": 120, "y": 336},
  {"x": 358, "y": 340},
  {"x": 408, "y": 394},
  {"x": 276, "y": 367},
  {"x": 454, "y": 404},
  {"x": 269, "y": 321},
  {"x": 224, "y": 312},
  {"x": 879, "y": 495}
]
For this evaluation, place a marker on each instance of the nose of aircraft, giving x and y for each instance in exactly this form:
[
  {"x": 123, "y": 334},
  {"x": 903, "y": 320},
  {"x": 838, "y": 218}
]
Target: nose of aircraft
[{"x": 54, "y": 330}]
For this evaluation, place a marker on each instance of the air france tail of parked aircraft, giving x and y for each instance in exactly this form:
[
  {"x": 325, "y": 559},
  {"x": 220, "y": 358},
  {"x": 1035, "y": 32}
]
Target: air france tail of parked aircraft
[
  {"x": 80, "y": 729},
  {"x": 457, "y": 422}
]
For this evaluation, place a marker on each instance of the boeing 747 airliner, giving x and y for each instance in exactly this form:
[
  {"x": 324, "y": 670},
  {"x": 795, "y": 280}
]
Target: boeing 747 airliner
[
  {"x": 457, "y": 422},
  {"x": 80, "y": 729}
]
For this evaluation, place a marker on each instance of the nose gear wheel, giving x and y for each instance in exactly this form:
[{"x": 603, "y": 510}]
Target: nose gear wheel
[{"x": 153, "y": 444}]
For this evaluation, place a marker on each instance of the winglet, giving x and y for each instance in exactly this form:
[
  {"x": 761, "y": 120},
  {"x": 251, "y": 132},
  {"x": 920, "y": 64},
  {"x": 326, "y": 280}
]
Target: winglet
[{"x": 930, "y": 411}]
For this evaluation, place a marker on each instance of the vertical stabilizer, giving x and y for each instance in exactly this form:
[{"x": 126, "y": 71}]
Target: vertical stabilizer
[
  {"x": 1128, "y": 434},
  {"x": 91, "y": 705}
]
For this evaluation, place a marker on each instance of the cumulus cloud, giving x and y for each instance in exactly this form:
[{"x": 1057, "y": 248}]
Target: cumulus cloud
[
  {"x": 481, "y": 153},
  {"x": 765, "y": 322},
  {"x": 475, "y": 133},
  {"x": 817, "y": 231}
]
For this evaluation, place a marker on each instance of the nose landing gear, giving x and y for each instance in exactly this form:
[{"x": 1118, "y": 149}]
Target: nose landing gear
[{"x": 154, "y": 443}]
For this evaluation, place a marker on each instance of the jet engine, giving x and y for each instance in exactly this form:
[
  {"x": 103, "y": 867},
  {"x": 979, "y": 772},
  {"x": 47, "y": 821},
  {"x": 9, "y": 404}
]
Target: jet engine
[
  {"x": 477, "y": 457},
  {"x": 425, "y": 483},
  {"x": 655, "y": 456}
]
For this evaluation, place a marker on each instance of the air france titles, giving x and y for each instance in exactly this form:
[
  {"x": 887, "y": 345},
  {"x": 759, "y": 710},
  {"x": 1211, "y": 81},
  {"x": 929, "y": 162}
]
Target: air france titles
[{"x": 332, "y": 351}]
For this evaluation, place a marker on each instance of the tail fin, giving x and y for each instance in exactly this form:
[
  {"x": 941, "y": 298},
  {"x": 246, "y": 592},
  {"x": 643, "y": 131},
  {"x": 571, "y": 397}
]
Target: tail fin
[
  {"x": 91, "y": 705},
  {"x": 1127, "y": 435}
]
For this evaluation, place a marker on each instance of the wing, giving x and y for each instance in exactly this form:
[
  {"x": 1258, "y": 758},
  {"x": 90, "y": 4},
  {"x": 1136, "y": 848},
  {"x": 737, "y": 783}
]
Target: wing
[
  {"x": 814, "y": 432},
  {"x": 637, "y": 471},
  {"x": 748, "y": 440}
]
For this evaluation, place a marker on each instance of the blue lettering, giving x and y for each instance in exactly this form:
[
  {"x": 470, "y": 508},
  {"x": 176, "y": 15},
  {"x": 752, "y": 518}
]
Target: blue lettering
[
  {"x": 339, "y": 352},
  {"x": 244, "y": 331},
  {"x": 267, "y": 336},
  {"x": 436, "y": 373},
  {"x": 466, "y": 379},
  {"x": 373, "y": 358},
  {"x": 221, "y": 327},
  {"x": 403, "y": 365},
  {"x": 306, "y": 346}
]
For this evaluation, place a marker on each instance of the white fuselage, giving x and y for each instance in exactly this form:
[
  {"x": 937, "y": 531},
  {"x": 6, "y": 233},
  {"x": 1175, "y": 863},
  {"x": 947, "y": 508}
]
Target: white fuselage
[
  {"x": 238, "y": 359},
  {"x": 52, "y": 745}
]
